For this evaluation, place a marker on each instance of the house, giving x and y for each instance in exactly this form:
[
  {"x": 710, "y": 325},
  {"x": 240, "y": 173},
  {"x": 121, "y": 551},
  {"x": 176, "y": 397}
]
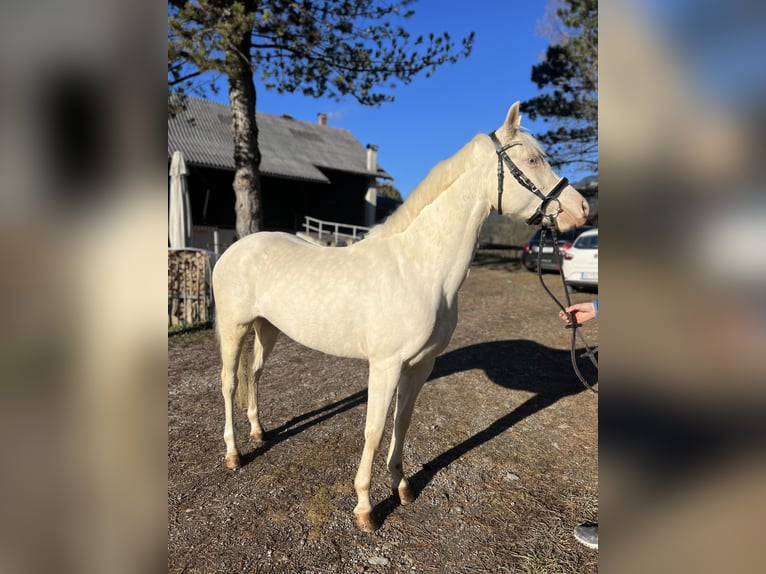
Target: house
[{"x": 307, "y": 169}]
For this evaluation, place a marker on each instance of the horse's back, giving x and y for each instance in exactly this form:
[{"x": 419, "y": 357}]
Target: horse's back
[
  {"x": 253, "y": 252},
  {"x": 241, "y": 265},
  {"x": 256, "y": 243}
]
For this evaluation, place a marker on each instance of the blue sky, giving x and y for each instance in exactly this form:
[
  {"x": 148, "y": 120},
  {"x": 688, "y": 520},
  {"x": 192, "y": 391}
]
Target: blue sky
[{"x": 432, "y": 118}]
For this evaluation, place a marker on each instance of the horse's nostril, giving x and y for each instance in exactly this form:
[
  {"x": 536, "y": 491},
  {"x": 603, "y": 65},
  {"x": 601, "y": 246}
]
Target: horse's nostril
[{"x": 585, "y": 208}]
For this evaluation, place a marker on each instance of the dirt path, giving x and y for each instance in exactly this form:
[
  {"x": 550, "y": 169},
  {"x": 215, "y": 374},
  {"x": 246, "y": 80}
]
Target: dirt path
[{"x": 502, "y": 452}]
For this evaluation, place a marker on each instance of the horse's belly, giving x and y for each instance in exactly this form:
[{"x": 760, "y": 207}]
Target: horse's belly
[
  {"x": 319, "y": 322},
  {"x": 360, "y": 325},
  {"x": 325, "y": 340}
]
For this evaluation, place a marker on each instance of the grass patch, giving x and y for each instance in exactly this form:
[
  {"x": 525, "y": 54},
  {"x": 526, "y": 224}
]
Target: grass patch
[
  {"x": 188, "y": 335},
  {"x": 180, "y": 329},
  {"x": 505, "y": 259}
]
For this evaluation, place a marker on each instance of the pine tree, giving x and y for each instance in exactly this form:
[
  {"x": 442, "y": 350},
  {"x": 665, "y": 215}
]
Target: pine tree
[{"x": 569, "y": 74}]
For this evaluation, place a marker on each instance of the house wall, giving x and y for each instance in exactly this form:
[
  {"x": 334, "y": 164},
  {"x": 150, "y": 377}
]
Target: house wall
[
  {"x": 211, "y": 196},
  {"x": 205, "y": 236},
  {"x": 342, "y": 201},
  {"x": 285, "y": 202}
]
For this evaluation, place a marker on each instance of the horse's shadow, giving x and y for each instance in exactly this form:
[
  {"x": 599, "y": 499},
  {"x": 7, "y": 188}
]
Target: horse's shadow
[
  {"x": 302, "y": 422},
  {"x": 521, "y": 365}
]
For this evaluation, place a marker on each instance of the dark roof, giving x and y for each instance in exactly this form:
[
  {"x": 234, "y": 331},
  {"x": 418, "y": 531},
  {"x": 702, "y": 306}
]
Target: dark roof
[{"x": 289, "y": 148}]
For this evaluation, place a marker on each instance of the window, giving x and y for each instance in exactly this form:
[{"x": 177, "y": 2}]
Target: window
[{"x": 587, "y": 242}]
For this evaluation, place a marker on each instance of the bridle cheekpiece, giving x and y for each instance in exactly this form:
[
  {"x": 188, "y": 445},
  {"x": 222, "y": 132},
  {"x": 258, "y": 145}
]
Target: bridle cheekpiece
[{"x": 525, "y": 182}]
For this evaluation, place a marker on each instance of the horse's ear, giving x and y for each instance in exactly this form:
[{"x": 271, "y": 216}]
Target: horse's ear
[{"x": 512, "y": 121}]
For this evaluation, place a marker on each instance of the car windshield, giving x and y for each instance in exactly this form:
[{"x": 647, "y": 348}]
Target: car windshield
[{"x": 587, "y": 242}]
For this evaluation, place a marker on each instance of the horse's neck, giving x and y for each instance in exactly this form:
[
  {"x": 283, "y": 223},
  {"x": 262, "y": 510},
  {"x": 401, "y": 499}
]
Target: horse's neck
[{"x": 443, "y": 237}]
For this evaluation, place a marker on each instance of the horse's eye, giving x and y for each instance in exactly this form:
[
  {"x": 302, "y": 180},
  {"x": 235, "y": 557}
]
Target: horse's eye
[{"x": 534, "y": 160}]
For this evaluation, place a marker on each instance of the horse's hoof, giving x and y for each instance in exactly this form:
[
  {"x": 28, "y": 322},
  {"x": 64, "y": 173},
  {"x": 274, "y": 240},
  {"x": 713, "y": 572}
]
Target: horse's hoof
[
  {"x": 405, "y": 495},
  {"x": 365, "y": 522},
  {"x": 257, "y": 438},
  {"x": 232, "y": 461}
]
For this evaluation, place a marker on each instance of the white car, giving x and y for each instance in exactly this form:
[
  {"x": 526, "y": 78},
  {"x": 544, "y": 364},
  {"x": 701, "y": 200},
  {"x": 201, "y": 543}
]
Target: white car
[{"x": 580, "y": 264}]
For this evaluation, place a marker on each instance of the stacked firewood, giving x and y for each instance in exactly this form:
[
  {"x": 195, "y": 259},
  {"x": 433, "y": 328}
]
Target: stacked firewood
[{"x": 189, "y": 291}]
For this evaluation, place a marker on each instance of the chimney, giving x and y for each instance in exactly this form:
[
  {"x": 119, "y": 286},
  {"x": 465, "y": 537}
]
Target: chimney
[
  {"x": 372, "y": 158},
  {"x": 322, "y": 119},
  {"x": 371, "y": 198}
]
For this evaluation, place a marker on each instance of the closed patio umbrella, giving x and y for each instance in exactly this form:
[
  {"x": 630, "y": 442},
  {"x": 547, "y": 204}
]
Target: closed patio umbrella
[{"x": 179, "y": 208}]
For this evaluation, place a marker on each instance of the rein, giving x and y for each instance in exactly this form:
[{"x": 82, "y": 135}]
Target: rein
[
  {"x": 537, "y": 219},
  {"x": 590, "y": 353}
]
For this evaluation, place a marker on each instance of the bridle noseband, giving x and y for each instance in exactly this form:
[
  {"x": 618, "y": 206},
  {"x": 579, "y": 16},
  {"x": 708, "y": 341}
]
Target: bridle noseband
[{"x": 526, "y": 183}]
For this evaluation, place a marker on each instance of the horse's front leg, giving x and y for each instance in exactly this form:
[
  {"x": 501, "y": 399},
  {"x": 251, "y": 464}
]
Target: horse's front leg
[
  {"x": 412, "y": 381},
  {"x": 383, "y": 380}
]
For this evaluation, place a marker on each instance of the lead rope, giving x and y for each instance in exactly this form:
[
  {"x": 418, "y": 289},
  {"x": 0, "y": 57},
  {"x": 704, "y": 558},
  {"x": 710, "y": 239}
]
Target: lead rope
[{"x": 590, "y": 353}]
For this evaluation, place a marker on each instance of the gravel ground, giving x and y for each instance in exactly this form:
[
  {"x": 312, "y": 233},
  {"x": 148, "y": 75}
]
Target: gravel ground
[{"x": 502, "y": 451}]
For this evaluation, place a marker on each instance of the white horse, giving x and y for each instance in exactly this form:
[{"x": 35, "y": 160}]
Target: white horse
[{"x": 391, "y": 298}]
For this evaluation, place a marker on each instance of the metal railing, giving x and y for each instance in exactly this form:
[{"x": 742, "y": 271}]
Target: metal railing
[{"x": 335, "y": 230}]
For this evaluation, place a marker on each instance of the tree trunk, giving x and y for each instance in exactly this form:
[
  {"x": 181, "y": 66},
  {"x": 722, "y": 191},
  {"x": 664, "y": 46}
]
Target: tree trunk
[{"x": 247, "y": 157}]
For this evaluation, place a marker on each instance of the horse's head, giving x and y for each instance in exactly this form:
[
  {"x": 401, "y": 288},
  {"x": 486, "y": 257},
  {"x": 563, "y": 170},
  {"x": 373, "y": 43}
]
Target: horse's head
[{"x": 569, "y": 209}]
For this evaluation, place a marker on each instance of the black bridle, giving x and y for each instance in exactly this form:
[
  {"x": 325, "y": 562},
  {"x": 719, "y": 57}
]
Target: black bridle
[
  {"x": 538, "y": 219},
  {"x": 526, "y": 183}
]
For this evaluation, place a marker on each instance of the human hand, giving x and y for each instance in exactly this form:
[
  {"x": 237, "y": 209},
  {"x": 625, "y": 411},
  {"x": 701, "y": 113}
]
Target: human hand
[{"x": 581, "y": 312}]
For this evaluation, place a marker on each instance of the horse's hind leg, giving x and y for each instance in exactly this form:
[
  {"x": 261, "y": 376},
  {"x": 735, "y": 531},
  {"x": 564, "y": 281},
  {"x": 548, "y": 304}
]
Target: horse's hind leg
[
  {"x": 409, "y": 387},
  {"x": 265, "y": 337},
  {"x": 231, "y": 338}
]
